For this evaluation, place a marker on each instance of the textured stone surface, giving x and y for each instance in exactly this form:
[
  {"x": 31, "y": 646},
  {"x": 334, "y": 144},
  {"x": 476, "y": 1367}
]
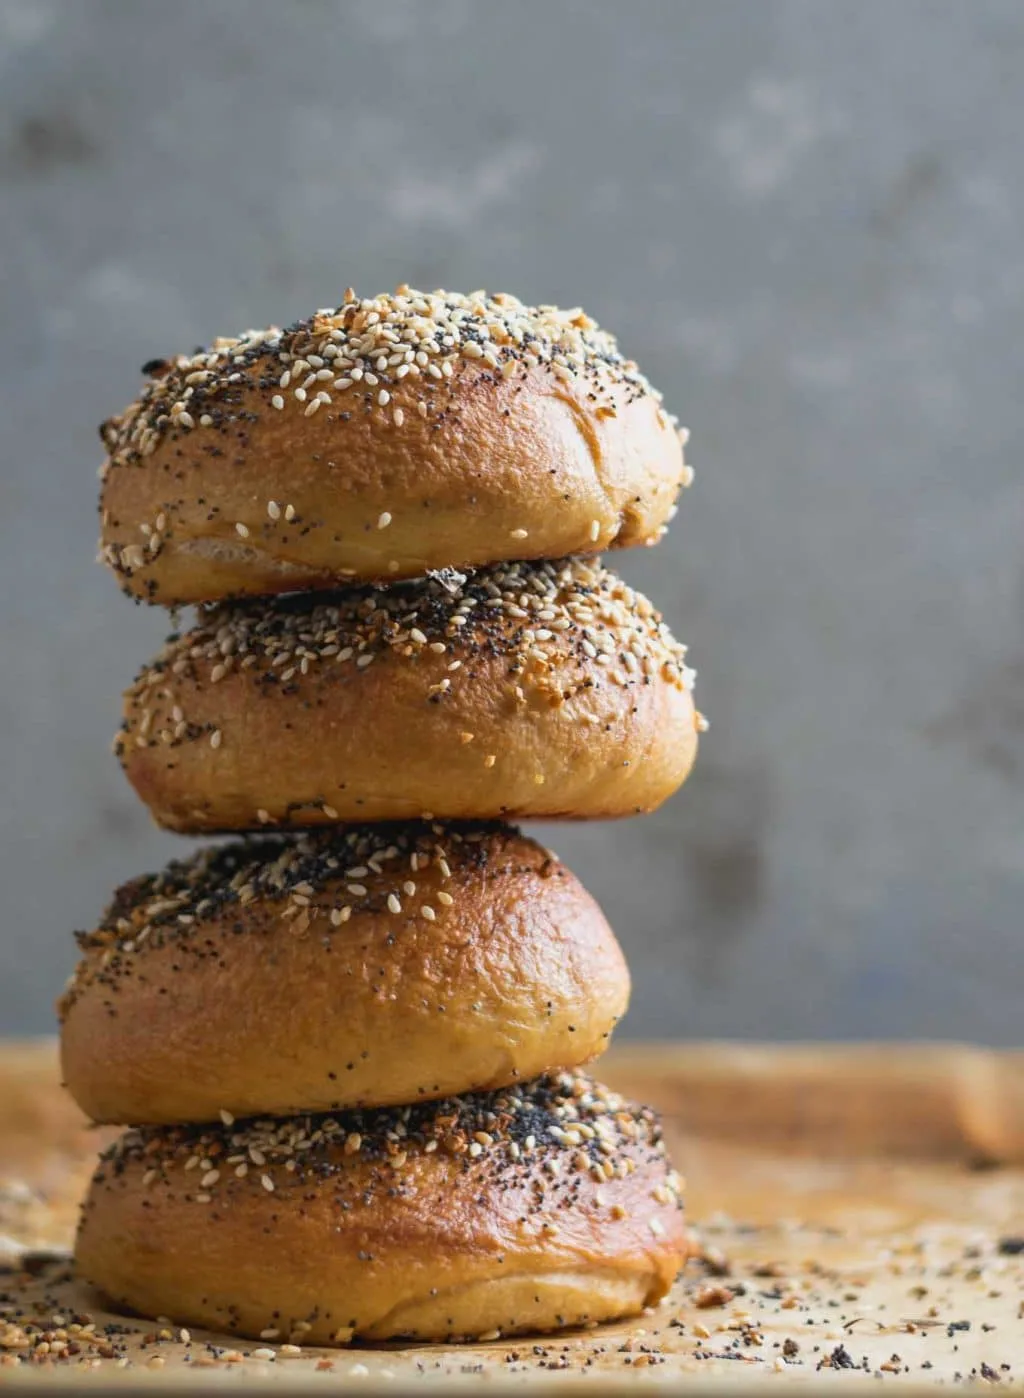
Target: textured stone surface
[{"x": 804, "y": 220}]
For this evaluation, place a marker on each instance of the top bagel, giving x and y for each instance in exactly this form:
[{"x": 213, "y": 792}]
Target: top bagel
[{"x": 381, "y": 440}]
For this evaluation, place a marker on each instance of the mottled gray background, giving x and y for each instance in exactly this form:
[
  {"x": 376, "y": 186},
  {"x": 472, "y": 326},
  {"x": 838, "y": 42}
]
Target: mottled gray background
[{"x": 805, "y": 220}]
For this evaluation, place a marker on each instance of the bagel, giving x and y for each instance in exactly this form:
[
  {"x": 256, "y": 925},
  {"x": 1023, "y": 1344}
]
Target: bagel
[
  {"x": 520, "y": 691},
  {"x": 338, "y": 969},
  {"x": 542, "y": 1206},
  {"x": 380, "y": 440}
]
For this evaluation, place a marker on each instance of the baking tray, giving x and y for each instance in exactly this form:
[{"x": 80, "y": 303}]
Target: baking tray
[{"x": 860, "y": 1212}]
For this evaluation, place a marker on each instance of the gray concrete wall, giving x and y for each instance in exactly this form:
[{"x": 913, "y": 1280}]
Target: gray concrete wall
[{"x": 803, "y": 218}]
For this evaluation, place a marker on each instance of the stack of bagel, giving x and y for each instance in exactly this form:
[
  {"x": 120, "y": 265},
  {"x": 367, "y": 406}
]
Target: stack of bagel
[{"x": 349, "y": 1042}]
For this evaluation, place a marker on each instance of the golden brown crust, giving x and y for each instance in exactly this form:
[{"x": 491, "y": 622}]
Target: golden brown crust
[
  {"x": 532, "y": 1209},
  {"x": 337, "y": 970},
  {"x": 525, "y": 690},
  {"x": 527, "y": 436}
]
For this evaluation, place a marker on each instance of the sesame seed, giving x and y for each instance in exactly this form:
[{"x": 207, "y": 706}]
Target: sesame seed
[
  {"x": 394, "y": 905},
  {"x": 428, "y": 912},
  {"x": 273, "y": 509},
  {"x": 519, "y": 533},
  {"x": 289, "y": 513},
  {"x": 267, "y": 1183},
  {"x": 277, "y": 402},
  {"x": 242, "y": 530},
  {"x": 383, "y": 520},
  {"x": 216, "y": 738},
  {"x": 595, "y": 530}
]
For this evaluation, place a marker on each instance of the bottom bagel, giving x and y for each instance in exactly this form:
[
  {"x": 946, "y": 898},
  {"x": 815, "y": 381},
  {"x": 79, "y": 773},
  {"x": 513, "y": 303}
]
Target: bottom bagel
[{"x": 547, "y": 1205}]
